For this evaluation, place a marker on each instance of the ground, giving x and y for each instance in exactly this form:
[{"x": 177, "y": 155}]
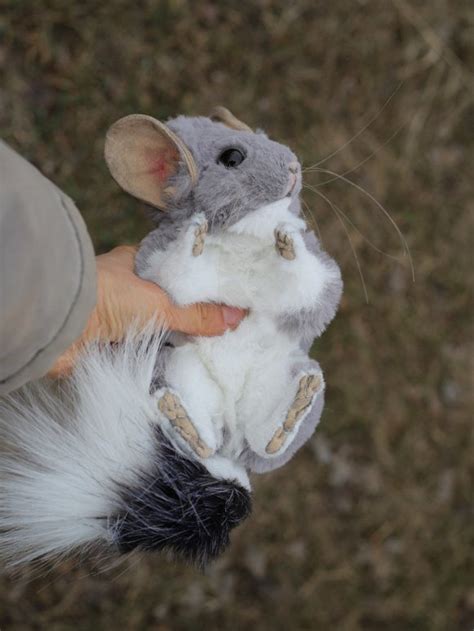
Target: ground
[{"x": 371, "y": 525}]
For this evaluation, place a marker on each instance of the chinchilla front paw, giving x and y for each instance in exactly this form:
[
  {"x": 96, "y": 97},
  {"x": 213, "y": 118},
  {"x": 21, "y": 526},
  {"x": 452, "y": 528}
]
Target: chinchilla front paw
[
  {"x": 198, "y": 231},
  {"x": 287, "y": 241}
]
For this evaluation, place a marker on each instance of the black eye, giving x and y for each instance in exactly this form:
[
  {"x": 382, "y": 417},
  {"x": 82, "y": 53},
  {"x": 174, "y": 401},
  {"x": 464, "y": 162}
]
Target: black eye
[{"x": 231, "y": 158}]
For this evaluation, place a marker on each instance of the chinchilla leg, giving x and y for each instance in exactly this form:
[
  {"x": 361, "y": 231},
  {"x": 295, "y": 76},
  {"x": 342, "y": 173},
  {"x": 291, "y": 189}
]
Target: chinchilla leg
[
  {"x": 309, "y": 386},
  {"x": 171, "y": 407}
]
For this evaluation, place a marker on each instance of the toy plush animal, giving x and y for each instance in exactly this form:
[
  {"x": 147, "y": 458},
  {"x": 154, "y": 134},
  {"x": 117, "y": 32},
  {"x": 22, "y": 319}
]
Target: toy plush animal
[{"x": 149, "y": 444}]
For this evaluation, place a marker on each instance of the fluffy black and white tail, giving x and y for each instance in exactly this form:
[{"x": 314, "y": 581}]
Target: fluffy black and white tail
[{"x": 86, "y": 463}]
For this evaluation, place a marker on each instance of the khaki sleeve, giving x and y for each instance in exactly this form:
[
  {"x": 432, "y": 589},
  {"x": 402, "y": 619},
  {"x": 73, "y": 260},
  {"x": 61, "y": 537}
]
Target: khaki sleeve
[{"x": 47, "y": 272}]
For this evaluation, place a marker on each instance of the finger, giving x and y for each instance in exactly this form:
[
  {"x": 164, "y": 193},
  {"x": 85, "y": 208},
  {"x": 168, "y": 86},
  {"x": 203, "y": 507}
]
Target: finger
[
  {"x": 144, "y": 301},
  {"x": 64, "y": 364},
  {"x": 123, "y": 255},
  {"x": 204, "y": 319}
]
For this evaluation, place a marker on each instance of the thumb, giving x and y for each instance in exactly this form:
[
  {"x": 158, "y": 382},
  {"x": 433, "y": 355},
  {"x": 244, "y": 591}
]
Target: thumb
[{"x": 204, "y": 319}]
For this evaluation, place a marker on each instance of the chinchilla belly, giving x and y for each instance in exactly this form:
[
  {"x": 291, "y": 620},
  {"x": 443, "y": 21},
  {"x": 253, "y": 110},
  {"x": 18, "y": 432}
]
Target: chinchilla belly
[{"x": 232, "y": 358}]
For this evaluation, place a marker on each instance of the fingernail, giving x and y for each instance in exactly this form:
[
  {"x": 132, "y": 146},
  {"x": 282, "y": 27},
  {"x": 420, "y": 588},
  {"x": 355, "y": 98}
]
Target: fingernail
[{"x": 232, "y": 316}]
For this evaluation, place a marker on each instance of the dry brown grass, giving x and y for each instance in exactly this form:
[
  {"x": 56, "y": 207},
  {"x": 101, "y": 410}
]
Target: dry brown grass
[{"x": 371, "y": 525}]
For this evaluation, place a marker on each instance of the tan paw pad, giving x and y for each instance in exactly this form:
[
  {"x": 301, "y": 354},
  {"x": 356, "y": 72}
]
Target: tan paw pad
[
  {"x": 284, "y": 245},
  {"x": 200, "y": 236},
  {"x": 308, "y": 386},
  {"x": 171, "y": 407},
  {"x": 277, "y": 442}
]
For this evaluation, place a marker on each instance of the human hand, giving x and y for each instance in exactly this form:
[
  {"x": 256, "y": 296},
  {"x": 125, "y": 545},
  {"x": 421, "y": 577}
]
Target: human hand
[{"x": 124, "y": 299}]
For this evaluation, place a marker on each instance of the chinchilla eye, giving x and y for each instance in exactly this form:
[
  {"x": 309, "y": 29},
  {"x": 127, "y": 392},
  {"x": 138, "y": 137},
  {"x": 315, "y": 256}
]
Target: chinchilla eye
[{"x": 231, "y": 158}]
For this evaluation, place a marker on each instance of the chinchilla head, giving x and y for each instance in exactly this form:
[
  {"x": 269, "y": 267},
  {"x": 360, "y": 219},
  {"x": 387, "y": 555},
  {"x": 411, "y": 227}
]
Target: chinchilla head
[{"x": 217, "y": 166}]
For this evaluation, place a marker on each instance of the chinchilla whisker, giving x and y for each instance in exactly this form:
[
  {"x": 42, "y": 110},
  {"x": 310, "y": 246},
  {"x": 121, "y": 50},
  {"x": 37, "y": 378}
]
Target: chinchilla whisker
[
  {"x": 213, "y": 218},
  {"x": 232, "y": 214},
  {"x": 359, "y": 232},
  {"x": 362, "y": 162},
  {"x": 351, "y": 244},
  {"x": 361, "y": 131},
  {"x": 311, "y": 218},
  {"x": 126, "y": 567},
  {"x": 382, "y": 208},
  {"x": 306, "y": 212}
]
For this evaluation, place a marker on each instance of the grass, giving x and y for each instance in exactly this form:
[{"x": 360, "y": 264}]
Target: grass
[{"x": 371, "y": 525}]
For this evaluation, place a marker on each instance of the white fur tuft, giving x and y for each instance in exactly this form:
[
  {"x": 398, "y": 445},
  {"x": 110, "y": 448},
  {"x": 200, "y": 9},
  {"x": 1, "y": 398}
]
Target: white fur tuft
[{"x": 66, "y": 454}]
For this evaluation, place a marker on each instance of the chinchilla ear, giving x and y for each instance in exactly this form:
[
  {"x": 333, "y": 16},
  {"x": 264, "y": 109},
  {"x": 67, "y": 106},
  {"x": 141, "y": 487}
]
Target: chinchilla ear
[
  {"x": 142, "y": 154},
  {"x": 222, "y": 115}
]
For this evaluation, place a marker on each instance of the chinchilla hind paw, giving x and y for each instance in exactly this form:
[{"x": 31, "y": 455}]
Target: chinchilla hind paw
[
  {"x": 171, "y": 407},
  {"x": 308, "y": 387},
  {"x": 200, "y": 233},
  {"x": 180, "y": 507}
]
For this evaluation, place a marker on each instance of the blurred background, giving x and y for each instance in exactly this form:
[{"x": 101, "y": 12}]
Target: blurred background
[{"x": 371, "y": 525}]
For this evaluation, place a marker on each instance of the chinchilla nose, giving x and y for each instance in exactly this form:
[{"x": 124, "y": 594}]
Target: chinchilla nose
[{"x": 293, "y": 167}]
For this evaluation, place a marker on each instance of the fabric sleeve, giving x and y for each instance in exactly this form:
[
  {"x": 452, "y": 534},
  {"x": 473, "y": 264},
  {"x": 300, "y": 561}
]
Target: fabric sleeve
[{"x": 47, "y": 272}]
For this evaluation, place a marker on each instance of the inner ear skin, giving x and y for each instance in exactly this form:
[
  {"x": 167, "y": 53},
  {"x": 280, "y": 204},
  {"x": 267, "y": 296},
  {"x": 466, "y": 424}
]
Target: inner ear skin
[{"x": 161, "y": 166}]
